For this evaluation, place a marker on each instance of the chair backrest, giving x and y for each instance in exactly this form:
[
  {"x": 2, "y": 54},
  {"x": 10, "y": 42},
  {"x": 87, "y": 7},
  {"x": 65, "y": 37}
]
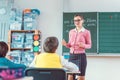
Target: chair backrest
[{"x": 46, "y": 73}]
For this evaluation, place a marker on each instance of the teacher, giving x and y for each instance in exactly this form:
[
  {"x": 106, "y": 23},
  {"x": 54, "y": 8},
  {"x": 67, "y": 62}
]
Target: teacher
[{"x": 79, "y": 40}]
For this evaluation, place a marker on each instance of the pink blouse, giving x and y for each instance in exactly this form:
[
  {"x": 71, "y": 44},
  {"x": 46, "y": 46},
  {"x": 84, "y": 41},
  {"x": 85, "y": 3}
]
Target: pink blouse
[{"x": 75, "y": 38}]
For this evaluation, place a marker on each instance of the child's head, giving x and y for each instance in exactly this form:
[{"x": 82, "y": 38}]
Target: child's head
[
  {"x": 50, "y": 45},
  {"x": 3, "y": 49}
]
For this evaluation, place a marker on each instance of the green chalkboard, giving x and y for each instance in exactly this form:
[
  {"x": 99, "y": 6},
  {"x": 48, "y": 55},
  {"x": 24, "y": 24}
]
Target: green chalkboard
[
  {"x": 90, "y": 24},
  {"x": 109, "y": 32}
]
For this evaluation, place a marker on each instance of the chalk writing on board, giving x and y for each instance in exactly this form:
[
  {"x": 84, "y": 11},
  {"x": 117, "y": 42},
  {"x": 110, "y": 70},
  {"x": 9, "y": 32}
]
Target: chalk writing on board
[{"x": 90, "y": 22}]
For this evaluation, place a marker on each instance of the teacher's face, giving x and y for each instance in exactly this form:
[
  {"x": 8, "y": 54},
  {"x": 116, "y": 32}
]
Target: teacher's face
[{"x": 78, "y": 21}]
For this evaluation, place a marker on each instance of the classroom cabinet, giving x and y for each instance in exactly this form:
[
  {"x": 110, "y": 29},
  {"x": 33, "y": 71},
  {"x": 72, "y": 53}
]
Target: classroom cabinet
[{"x": 20, "y": 44}]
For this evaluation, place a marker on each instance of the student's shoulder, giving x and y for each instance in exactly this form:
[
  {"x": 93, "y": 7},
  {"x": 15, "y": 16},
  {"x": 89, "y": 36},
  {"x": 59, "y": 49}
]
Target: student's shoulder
[
  {"x": 21, "y": 65},
  {"x": 41, "y": 55}
]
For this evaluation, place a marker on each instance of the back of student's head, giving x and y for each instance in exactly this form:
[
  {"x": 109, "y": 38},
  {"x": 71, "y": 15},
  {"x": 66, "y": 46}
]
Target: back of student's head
[
  {"x": 3, "y": 49},
  {"x": 50, "y": 44}
]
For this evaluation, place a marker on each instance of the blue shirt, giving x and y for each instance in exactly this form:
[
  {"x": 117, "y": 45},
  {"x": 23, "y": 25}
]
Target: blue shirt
[{"x": 7, "y": 63}]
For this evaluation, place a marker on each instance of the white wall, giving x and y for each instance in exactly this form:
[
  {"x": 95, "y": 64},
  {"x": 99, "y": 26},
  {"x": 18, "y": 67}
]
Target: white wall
[
  {"x": 103, "y": 68},
  {"x": 50, "y": 20},
  {"x": 50, "y": 24},
  {"x": 91, "y": 5}
]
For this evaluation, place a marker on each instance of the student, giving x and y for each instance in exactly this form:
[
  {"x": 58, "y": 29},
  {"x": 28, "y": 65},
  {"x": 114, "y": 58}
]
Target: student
[
  {"x": 79, "y": 40},
  {"x": 33, "y": 62},
  {"x": 4, "y": 62},
  {"x": 50, "y": 59}
]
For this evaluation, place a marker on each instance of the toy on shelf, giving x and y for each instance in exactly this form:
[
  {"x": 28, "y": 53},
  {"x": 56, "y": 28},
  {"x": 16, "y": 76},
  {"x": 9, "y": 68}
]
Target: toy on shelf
[{"x": 30, "y": 18}]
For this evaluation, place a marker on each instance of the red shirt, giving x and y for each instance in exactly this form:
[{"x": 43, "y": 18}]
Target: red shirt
[{"x": 75, "y": 38}]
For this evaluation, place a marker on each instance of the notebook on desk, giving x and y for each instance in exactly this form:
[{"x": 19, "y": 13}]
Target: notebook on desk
[{"x": 11, "y": 73}]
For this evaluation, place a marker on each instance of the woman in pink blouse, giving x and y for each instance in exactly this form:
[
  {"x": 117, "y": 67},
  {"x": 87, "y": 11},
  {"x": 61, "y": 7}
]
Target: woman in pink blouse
[{"x": 79, "y": 40}]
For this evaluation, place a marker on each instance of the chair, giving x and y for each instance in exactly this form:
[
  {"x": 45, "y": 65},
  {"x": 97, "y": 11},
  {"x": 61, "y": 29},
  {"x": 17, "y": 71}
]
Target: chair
[
  {"x": 11, "y": 73},
  {"x": 46, "y": 73}
]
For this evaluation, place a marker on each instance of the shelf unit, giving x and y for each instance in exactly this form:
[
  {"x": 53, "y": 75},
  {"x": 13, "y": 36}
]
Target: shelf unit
[
  {"x": 22, "y": 55},
  {"x": 20, "y": 31}
]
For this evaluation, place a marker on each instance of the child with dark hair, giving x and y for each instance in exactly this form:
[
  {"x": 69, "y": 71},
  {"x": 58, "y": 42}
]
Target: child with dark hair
[
  {"x": 4, "y": 62},
  {"x": 50, "y": 59}
]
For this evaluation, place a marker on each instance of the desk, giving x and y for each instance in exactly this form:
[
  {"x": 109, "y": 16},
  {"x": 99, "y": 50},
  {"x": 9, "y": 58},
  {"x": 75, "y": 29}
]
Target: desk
[
  {"x": 75, "y": 73},
  {"x": 72, "y": 73},
  {"x": 25, "y": 78}
]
